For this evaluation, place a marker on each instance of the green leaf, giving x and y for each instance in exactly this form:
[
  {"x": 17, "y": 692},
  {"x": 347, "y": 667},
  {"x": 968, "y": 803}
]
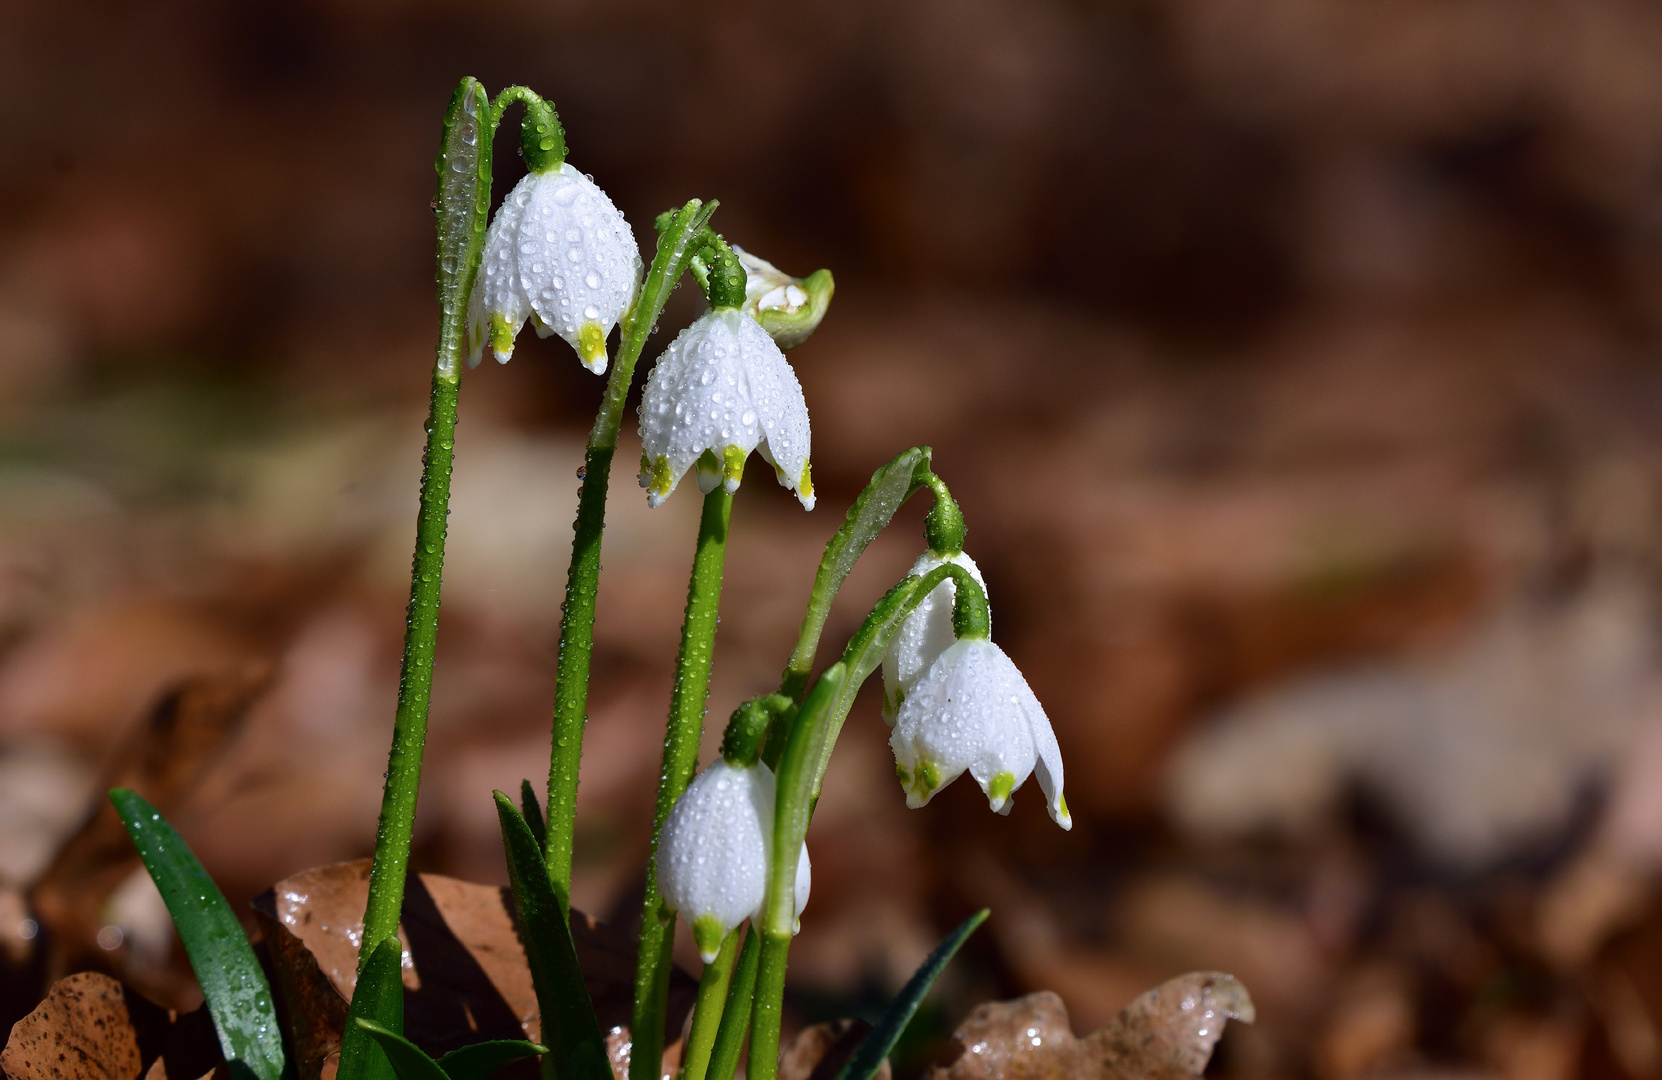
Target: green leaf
[
  {"x": 868, "y": 1058},
  {"x": 568, "y": 1020},
  {"x": 379, "y": 998},
  {"x": 480, "y": 1060},
  {"x": 409, "y": 1061},
  {"x": 532, "y": 811},
  {"x": 890, "y": 487},
  {"x": 234, "y": 986}
]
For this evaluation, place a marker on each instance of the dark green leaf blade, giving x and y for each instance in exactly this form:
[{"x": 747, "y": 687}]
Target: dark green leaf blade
[
  {"x": 532, "y": 810},
  {"x": 480, "y": 1060},
  {"x": 568, "y": 1019},
  {"x": 409, "y": 1061},
  {"x": 234, "y": 986},
  {"x": 379, "y": 998},
  {"x": 866, "y": 1060}
]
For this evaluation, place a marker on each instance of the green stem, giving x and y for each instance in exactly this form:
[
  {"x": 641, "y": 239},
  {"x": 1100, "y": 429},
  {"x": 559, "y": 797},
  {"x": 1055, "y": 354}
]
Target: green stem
[
  {"x": 571, "y": 691},
  {"x": 802, "y": 765},
  {"x": 681, "y": 736},
  {"x": 735, "y": 1016},
  {"x": 707, "y": 1009},
  {"x": 767, "y": 1011},
  {"x": 464, "y": 172}
]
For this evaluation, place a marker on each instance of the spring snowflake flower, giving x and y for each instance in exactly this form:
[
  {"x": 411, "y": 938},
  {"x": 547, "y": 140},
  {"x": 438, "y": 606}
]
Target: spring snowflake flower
[
  {"x": 926, "y": 633},
  {"x": 558, "y": 253},
  {"x": 721, "y": 390},
  {"x": 713, "y": 852},
  {"x": 973, "y": 711}
]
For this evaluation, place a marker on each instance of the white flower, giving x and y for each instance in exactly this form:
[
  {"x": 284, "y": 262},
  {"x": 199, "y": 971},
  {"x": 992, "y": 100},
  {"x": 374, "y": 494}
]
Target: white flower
[
  {"x": 713, "y": 852},
  {"x": 559, "y": 253},
  {"x": 973, "y": 710},
  {"x": 723, "y": 388},
  {"x": 926, "y": 633}
]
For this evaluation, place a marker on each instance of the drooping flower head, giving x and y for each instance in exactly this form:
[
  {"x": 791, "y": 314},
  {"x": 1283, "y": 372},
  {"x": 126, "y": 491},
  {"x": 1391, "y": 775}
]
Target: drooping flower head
[
  {"x": 789, "y": 308},
  {"x": 559, "y": 253},
  {"x": 713, "y": 852},
  {"x": 972, "y": 711},
  {"x": 721, "y": 390}
]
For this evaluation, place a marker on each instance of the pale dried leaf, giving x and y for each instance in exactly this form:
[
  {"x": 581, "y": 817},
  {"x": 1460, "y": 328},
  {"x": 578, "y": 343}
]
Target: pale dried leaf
[{"x": 1168, "y": 1032}]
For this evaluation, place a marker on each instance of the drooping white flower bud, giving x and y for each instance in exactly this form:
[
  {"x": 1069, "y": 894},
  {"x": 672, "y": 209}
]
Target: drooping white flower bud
[
  {"x": 559, "y": 253},
  {"x": 926, "y": 633},
  {"x": 713, "y": 852},
  {"x": 723, "y": 388},
  {"x": 972, "y": 711}
]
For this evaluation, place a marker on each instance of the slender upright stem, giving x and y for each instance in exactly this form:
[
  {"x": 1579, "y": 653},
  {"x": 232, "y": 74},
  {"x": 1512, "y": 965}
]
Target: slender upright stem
[
  {"x": 681, "y": 736},
  {"x": 735, "y": 1015},
  {"x": 464, "y": 171},
  {"x": 708, "y": 1007},
  {"x": 571, "y": 692}
]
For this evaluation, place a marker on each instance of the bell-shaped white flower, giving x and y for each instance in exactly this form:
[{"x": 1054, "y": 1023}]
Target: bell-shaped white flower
[
  {"x": 926, "y": 633},
  {"x": 973, "y": 711},
  {"x": 713, "y": 852},
  {"x": 723, "y": 389},
  {"x": 559, "y": 253}
]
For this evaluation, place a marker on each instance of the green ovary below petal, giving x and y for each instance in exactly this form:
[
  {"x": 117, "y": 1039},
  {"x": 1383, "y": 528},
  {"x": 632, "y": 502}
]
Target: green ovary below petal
[
  {"x": 707, "y": 935},
  {"x": 591, "y": 346},
  {"x": 501, "y": 336},
  {"x": 998, "y": 792}
]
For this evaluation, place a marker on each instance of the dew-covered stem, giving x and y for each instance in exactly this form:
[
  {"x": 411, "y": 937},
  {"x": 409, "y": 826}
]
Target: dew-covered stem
[
  {"x": 708, "y": 1007},
  {"x": 571, "y": 691},
  {"x": 463, "y": 204},
  {"x": 681, "y": 737}
]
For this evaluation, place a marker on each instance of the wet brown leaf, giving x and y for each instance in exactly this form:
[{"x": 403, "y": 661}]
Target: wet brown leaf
[
  {"x": 1168, "y": 1032},
  {"x": 90, "y": 1027},
  {"x": 465, "y": 976},
  {"x": 819, "y": 1051},
  {"x": 184, "y": 735}
]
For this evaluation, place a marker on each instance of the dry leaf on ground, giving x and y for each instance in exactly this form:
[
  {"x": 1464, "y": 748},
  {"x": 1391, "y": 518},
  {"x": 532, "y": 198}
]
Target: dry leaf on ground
[{"x": 90, "y": 1027}]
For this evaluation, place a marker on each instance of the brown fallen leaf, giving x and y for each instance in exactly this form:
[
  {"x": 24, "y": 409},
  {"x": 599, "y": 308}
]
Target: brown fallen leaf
[
  {"x": 820, "y": 1050},
  {"x": 1168, "y": 1032},
  {"x": 90, "y": 1027},
  {"x": 465, "y": 975},
  {"x": 185, "y": 733}
]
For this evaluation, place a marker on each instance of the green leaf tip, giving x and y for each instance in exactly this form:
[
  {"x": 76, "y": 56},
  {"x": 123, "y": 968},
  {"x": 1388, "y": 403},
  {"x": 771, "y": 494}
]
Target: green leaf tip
[
  {"x": 868, "y": 1057},
  {"x": 233, "y": 984}
]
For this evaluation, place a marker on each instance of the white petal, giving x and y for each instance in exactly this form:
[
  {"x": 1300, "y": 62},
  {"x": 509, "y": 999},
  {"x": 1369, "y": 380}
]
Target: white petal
[
  {"x": 496, "y": 291},
  {"x": 804, "y": 885},
  {"x": 1048, "y": 768},
  {"x": 713, "y": 852},
  {"x": 965, "y": 713},
  {"x": 577, "y": 259},
  {"x": 786, "y": 437},
  {"x": 925, "y": 634},
  {"x": 719, "y": 384}
]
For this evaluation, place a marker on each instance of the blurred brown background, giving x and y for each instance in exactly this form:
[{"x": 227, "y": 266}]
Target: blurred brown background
[{"x": 1295, "y": 363}]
